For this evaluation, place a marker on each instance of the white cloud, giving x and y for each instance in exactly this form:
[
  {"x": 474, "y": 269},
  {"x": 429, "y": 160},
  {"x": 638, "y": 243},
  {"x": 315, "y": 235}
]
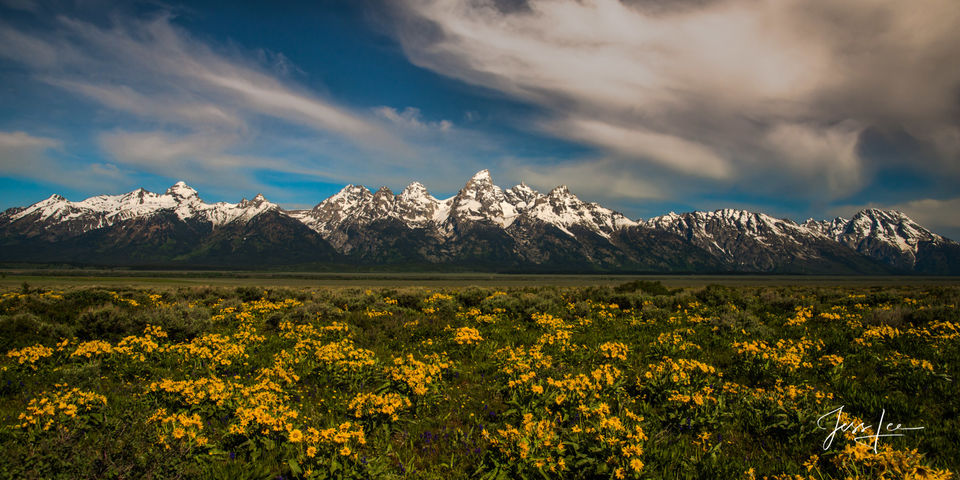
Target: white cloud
[
  {"x": 27, "y": 49},
  {"x": 37, "y": 158},
  {"x": 827, "y": 155},
  {"x": 204, "y": 154},
  {"x": 591, "y": 180},
  {"x": 667, "y": 150},
  {"x": 190, "y": 77},
  {"x": 410, "y": 117},
  {"x": 23, "y": 142},
  {"x": 160, "y": 107},
  {"x": 735, "y": 90}
]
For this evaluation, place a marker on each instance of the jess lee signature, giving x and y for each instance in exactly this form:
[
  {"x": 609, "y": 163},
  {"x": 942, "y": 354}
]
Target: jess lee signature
[{"x": 861, "y": 427}]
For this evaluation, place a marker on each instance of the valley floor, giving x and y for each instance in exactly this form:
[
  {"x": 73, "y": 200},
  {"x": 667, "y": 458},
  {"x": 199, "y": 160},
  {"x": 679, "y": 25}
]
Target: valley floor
[
  {"x": 11, "y": 278},
  {"x": 190, "y": 375}
]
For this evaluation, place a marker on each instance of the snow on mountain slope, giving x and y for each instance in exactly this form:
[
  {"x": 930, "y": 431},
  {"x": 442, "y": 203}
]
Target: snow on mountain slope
[
  {"x": 886, "y": 235},
  {"x": 521, "y": 196},
  {"x": 416, "y": 207},
  {"x": 888, "y": 227},
  {"x": 355, "y": 204},
  {"x": 106, "y": 210},
  {"x": 351, "y": 202},
  {"x": 755, "y": 242},
  {"x": 515, "y": 221},
  {"x": 479, "y": 201},
  {"x": 719, "y": 230},
  {"x": 564, "y": 210}
]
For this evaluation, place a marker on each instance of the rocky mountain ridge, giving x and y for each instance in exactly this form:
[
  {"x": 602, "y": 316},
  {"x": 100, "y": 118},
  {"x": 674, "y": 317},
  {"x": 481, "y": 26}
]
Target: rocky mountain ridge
[{"x": 482, "y": 226}]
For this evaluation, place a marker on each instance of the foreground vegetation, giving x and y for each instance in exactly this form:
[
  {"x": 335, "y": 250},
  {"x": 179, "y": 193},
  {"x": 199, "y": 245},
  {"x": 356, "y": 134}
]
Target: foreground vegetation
[{"x": 635, "y": 381}]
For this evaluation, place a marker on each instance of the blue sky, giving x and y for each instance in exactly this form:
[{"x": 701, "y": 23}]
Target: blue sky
[{"x": 797, "y": 108}]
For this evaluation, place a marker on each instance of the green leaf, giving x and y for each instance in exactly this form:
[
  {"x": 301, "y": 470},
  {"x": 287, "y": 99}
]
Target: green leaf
[{"x": 294, "y": 467}]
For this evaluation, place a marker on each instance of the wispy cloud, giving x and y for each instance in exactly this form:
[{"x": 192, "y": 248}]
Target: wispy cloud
[
  {"x": 161, "y": 108},
  {"x": 674, "y": 152},
  {"x": 592, "y": 179},
  {"x": 21, "y": 141},
  {"x": 410, "y": 117},
  {"x": 41, "y": 159}
]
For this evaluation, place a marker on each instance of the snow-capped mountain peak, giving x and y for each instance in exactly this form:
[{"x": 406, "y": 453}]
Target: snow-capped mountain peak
[
  {"x": 481, "y": 200},
  {"x": 522, "y": 197},
  {"x": 416, "y": 207},
  {"x": 257, "y": 201},
  {"x": 415, "y": 190},
  {"x": 349, "y": 203},
  {"x": 182, "y": 192},
  {"x": 105, "y": 210},
  {"x": 727, "y": 231},
  {"x": 483, "y": 176},
  {"x": 52, "y": 208},
  {"x": 887, "y": 234},
  {"x": 565, "y": 210}
]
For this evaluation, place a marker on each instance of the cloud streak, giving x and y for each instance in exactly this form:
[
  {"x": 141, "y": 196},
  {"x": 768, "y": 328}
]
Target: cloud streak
[{"x": 202, "y": 111}]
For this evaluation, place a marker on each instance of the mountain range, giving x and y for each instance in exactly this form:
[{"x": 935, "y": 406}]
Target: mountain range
[{"x": 483, "y": 227}]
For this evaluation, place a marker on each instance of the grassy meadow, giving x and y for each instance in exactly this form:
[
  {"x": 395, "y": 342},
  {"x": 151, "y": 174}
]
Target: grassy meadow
[{"x": 611, "y": 380}]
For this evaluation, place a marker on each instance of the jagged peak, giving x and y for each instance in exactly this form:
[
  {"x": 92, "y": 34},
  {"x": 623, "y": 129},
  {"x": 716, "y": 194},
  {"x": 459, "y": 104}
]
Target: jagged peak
[
  {"x": 255, "y": 202},
  {"x": 480, "y": 182},
  {"x": 414, "y": 191},
  {"x": 882, "y": 214},
  {"x": 876, "y": 211},
  {"x": 481, "y": 176},
  {"x": 734, "y": 212},
  {"x": 733, "y": 216},
  {"x": 561, "y": 191},
  {"x": 350, "y": 195},
  {"x": 522, "y": 194},
  {"x": 182, "y": 190},
  {"x": 352, "y": 190},
  {"x": 415, "y": 187}
]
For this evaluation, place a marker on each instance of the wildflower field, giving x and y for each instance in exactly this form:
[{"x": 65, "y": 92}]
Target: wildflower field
[{"x": 634, "y": 381}]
